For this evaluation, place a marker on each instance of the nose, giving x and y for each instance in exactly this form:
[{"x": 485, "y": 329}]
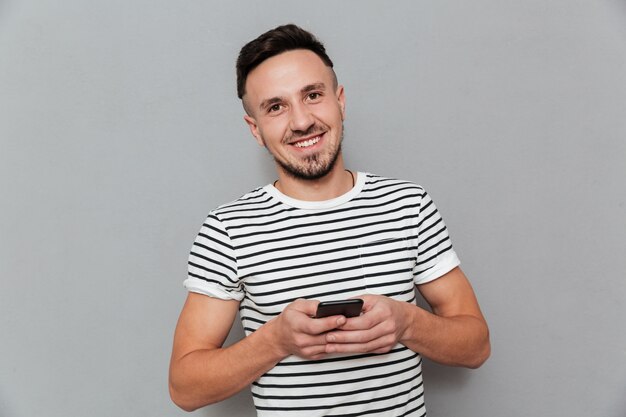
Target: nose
[{"x": 301, "y": 118}]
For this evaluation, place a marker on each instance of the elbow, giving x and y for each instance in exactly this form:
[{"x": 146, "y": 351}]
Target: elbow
[
  {"x": 180, "y": 394},
  {"x": 482, "y": 353},
  {"x": 187, "y": 395},
  {"x": 184, "y": 406},
  {"x": 181, "y": 401},
  {"x": 187, "y": 400},
  {"x": 479, "y": 359}
]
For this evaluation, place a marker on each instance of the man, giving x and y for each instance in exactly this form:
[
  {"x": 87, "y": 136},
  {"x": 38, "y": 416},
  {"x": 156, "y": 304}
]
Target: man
[{"x": 319, "y": 232}]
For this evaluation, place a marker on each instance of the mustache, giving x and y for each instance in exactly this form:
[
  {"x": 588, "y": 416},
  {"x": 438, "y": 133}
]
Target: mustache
[{"x": 299, "y": 134}]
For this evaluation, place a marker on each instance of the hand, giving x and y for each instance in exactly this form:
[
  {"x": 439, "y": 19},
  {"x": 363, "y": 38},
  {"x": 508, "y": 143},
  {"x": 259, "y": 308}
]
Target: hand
[
  {"x": 297, "y": 333},
  {"x": 381, "y": 326}
]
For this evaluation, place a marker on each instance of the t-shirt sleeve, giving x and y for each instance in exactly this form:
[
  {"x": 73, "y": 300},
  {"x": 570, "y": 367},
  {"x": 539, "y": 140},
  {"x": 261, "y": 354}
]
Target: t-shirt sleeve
[
  {"x": 212, "y": 266},
  {"x": 435, "y": 255}
]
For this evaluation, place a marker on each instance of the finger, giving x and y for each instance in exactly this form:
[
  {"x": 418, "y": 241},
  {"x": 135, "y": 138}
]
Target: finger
[
  {"x": 379, "y": 345},
  {"x": 354, "y": 336},
  {"x": 308, "y": 307},
  {"x": 362, "y": 322},
  {"x": 352, "y": 347},
  {"x": 313, "y": 352},
  {"x": 368, "y": 301},
  {"x": 324, "y": 324},
  {"x": 304, "y": 341}
]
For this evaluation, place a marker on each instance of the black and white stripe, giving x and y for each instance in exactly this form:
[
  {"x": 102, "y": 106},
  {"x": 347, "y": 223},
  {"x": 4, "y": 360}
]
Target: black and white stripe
[{"x": 266, "y": 250}]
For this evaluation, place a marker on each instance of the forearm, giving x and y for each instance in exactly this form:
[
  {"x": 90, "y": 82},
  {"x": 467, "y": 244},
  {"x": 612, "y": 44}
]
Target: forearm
[
  {"x": 206, "y": 376},
  {"x": 461, "y": 340}
]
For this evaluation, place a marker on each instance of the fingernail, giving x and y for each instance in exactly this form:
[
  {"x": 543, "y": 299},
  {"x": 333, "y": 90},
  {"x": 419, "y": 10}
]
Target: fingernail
[{"x": 341, "y": 321}]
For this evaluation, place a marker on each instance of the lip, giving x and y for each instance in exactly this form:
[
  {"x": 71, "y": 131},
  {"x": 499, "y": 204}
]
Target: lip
[
  {"x": 319, "y": 135},
  {"x": 314, "y": 135}
]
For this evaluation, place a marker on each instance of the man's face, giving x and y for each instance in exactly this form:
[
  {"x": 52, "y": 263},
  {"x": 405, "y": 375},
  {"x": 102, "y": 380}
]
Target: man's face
[{"x": 296, "y": 111}]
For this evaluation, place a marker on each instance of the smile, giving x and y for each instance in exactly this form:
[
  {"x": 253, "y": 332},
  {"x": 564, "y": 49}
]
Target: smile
[{"x": 308, "y": 142}]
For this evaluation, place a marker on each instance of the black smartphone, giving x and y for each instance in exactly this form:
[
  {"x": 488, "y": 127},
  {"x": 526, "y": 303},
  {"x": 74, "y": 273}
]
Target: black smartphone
[{"x": 346, "y": 308}]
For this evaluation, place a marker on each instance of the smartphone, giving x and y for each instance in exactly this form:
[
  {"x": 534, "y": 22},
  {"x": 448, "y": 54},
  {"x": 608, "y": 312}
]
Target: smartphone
[{"x": 346, "y": 308}]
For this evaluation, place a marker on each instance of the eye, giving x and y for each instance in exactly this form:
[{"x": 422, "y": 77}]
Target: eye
[
  {"x": 313, "y": 96},
  {"x": 274, "y": 108}
]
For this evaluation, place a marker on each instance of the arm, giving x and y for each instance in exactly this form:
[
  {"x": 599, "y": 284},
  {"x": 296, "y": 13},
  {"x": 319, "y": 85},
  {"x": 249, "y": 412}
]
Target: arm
[
  {"x": 203, "y": 372},
  {"x": 455, "y": 333}
]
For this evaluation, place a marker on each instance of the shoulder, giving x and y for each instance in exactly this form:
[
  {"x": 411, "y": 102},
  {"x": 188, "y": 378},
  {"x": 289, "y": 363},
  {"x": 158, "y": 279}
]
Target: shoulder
[
  {"x": 238, "y": 212},
  {"x": 256, "y": 198},
  {"x": 375, "y": 182}
]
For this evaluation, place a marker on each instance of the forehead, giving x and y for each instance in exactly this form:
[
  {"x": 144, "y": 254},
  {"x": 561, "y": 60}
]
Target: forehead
[{"x": 286, "y": 74}]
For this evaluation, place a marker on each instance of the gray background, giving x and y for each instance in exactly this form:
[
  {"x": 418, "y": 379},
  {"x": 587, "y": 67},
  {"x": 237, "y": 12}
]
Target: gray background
[{"x": 120, "y": 129}]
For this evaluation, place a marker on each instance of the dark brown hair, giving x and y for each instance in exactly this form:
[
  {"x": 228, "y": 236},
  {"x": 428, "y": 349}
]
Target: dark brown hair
[{"x": 271, "y": 43}]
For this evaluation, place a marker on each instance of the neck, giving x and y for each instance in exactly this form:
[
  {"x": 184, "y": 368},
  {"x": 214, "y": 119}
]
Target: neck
[{"x": 337, "y": 182}]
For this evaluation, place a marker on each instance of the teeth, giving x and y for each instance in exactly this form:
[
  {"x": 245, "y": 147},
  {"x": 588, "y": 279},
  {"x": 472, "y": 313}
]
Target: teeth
[{"x": 307, "y": 143}]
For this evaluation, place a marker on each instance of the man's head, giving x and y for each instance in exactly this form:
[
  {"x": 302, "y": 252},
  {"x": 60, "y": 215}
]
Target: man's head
[
  {"x": 294, "y": 106},
  {"x": 271, "y": 43}
]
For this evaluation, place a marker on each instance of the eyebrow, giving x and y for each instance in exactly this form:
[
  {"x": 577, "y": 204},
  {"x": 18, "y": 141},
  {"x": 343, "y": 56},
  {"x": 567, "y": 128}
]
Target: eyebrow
[
  {"x": 312, "y": 87},
  {"x": 270, "y": 102},
  {"x": 306, "y": 89}
]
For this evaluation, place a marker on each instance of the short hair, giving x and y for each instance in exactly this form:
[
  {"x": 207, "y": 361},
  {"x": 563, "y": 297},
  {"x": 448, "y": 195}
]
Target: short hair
[{"x": 274, "y": 42}]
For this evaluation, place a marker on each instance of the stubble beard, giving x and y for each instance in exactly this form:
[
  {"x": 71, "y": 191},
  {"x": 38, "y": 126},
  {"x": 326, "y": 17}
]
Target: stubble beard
[{"x": 312, "y": 167}]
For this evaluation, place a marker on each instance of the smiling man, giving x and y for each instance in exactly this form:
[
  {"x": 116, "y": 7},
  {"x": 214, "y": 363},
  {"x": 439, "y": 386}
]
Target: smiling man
[
  {"x": 319, "y": 233},
  {"x": 296, "y": 110}
]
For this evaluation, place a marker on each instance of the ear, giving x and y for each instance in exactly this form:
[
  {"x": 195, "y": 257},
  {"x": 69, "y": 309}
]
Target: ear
[
  {"x": 341, "y": 98},
  {"x": 254, "y": 129}
]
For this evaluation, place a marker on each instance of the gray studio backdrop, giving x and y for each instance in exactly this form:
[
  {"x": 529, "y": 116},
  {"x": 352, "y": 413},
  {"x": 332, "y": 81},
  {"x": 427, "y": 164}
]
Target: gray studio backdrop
[{"x": 120, "y": 130}]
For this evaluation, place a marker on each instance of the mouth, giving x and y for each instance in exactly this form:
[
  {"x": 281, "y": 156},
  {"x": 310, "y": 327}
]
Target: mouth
[{"x": 308, "y": 142}]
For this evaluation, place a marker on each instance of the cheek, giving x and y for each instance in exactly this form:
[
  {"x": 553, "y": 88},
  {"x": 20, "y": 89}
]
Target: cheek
[
  {"x": 332, "y": 115},
  {"x": 273, "y": 134}
]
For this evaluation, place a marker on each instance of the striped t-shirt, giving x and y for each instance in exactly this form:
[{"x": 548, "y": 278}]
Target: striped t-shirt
[{"x": 266, "y": 250}]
